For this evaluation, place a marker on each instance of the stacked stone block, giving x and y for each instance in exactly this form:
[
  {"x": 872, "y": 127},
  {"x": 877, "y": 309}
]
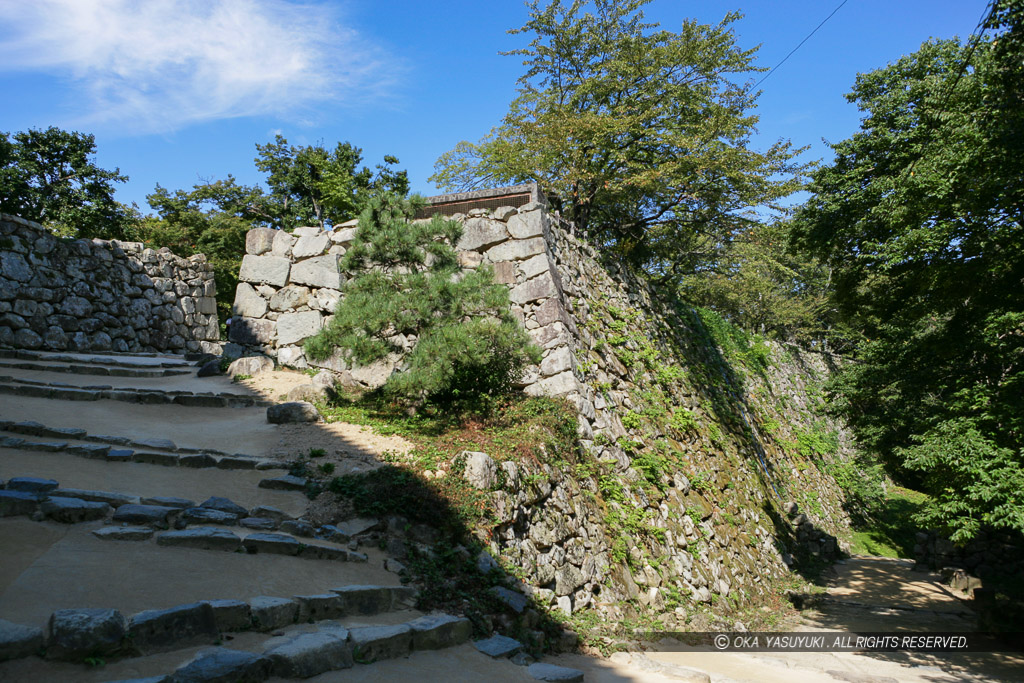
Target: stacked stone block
[
  {"x": 96, "y": 295},
  {"x": 290, "y": 284}
]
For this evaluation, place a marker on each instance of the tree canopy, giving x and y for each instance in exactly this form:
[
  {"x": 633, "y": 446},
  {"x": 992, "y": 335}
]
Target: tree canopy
[
  {"x": 49, "y": 176},
  {"x": 921, "y": 218},
  {"x": 640, "y": 134}
]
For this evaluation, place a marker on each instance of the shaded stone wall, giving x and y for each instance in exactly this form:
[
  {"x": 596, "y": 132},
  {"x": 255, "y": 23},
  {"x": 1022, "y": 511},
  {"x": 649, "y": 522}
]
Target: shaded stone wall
[{"x": 93, "y": 295}]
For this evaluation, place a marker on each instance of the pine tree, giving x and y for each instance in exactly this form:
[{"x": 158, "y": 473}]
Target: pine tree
[{"x": 409, "y": 283}]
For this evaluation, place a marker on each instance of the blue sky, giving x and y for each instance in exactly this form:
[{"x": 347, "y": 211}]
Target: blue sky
[{"x": 177, "y": 91}]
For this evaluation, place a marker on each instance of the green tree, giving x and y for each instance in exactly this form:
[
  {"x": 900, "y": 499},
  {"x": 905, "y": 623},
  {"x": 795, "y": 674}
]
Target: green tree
[
  {"x": 921, "y": 218},
  {"x": 468, "y": 345},
  {"x": 641, "y": 135},
  {"x": 316, "y": 186},
  {"x": 49, "y": 176},
  {"x": 212, "y": 219}
]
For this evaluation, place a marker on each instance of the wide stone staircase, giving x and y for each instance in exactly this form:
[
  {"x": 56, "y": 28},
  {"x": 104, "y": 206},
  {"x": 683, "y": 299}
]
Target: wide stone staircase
[{"x": 150, "y": 531}]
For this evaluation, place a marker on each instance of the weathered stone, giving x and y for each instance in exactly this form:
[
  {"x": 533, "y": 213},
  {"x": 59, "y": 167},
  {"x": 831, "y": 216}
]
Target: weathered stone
[
  {"x": 364, "y": 599},
  {"x": 283, "y": 242},
  {"x": 287, "y": 482},
  {"x": 174, "y": 628},
  {"x": 31, "y": 484},
  {"x": 550, "y": 672},
  {"x": 498, "y": 646},
  {"x": 79, "y": 633},
  {"x": 517, "y": 250},
  {"x": 505, "y": 272},
  {"x": 374, "y": 643},
  {"x": 310, "y": 654},
  {"x": 251, "y": 331},
  {"x": 558, "y": 360},
  {"x": 292, "y": 328},
  {"x": 525, "y": 225},
  {"x": 319, "y": 271},
  {"x": 275, "y": 544},
  {"x": 74, "y": 510},
  {"x": 258, "y": 523},
  {"x": 152, "y": 515},
  {"x": 276, "y": 514},
  {"x": 481, "y": 471},
  {"x": 259, "y": 241},
  {"x": 269, "y": 613},
  {"x": 311, "y": 245},
  {"x": 169, "y": 501},
  {"x": 17, "y": 641},
  {"x": 250, "y": 365},
  {"x": 289, "y": 298},
  {"x": 224, "y": 505},
  {"x": 319, "y": 607},
  {"x": 437, "y": 631},
  {"x": 297, "y": 527},
  {"x": 221, "y": 665},
  {"x": 231, "y": 615},
  {"x": 293, "y": 411},
  {"x": 88, "y": 450},
  {"x": 540, "y": 287},
  {"x": 535, "y": 265},
  {"x": 202, "y": 515},
  {"x": 556, "y": 385},
  {"x": 517, "y": 601},
  {"x": 292, "y": 356},
  {"x": 269, "y": 270},
  {"x": 204, "y": 539},
  {"x": 248, "y": 304},
  {"x": 376, "y": 374},
  {"x": 479, "y": 233},
  {"x": 123, "y": 533},
  {"x": 343, "y": 532}
]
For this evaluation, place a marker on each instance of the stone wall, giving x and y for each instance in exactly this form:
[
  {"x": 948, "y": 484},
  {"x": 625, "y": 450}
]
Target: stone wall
[
  {"x": 94, "y": 295},
  {"x": 689, "y": 484},
  {"x": 289, "y": 284}
]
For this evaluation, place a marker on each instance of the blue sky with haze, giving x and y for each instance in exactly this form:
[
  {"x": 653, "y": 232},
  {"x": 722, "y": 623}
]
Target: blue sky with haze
[{"x": 178, "y": 91}]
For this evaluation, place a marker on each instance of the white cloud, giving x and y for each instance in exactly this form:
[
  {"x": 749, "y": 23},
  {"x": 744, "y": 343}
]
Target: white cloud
[{"x": 160, "y": 65}]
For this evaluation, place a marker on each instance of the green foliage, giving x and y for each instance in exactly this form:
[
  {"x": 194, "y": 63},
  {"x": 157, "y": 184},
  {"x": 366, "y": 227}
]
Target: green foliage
[
  {"x": 409, "y": 283},
  {"x": 683, "y": 420},
  {"x": 750, "y": 350},
  {"x": 890, "y": 531},
  {"x": 48, "y": 176},
  {"x": 312, "y": 185},
  {"x": 640, "y": 134},
  {"x": 919, "y": 218}
]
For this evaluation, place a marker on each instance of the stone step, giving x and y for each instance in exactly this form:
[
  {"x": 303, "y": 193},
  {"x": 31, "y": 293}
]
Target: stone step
[
  {"x": 21, "y": 387},
  {"x": 87, "y": 369},
  {"x": 127, "y": 360},
  {"x": 33, "y": 436}
]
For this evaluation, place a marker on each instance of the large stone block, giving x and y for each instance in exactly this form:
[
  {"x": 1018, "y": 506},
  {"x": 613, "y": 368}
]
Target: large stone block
[
  {"x": 252, "y": 331},
  {"x": 269, "y": 613},
  {"x": 259, "y": 240},
  {"x": 479, "y": 233},
  {"x": 248, "y": 303},
  {"x": 269, "y": 270},
  {"x": 319, "y": 271},
  {"x": 373, "y": 643},
  {"x": 283, "y": 242},
  {"x": 517, "y": 250},
  {"x": 289, "y": 298},
  {"x": 310, "y": 654},
  {"x": 556, "y": 385},
  {"x": 525, "y": 225},
  {"x": 221, "y": 665},
  {"x": 17, "y": 641},
  {"x": 174, "y": 628},
  {"x": 314, "y": 245},
  {"x": 79, "y": 633},
  {"x": 540, "y": 287},
  {"x": 292, "y": 328},
  {"x": 559, "y": 360},
  {"x": 436, "y": 631}
]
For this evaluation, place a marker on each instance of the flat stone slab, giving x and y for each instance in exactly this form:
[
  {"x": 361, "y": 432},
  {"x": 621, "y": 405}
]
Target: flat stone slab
[
  {"x": 517, "y": 601},
  {"x": 374, "y": 643},
  {"x": 550, "y": 672},
  {"x": 274, "y": 513},
  {"x": 17, "y": 640},
  {"x": 119, "y": 455},
  {"x": 498, "y": 646},
  {"x": 258, "y": 523},
  {"x": 231, "y": 462},
  {"x": 319, "y": 607},
  {"x": 297, "y": 527},
  {"x": 159, "y": 444},
  {"x": 31, "y": 484},
  {"x": 343, "y": 532},
  {"x": 221, "y": 665},
  {"x": 437, "y": 631},
  {"x": 124, "y": 533},
  {"x": 16, "y": 503},
  {"x": 269, "y": 613},
  {"x": 371, "y": 599},
  {"x": 151, "y": 515},
  {"x": 45, "y": 446},
  {"x": 310, "y": 654},
  {"x": 204, "y": 539},
  {"x": 74, "y": 510},
  {"x": 203, "y": 515},
  {"x": 149, "y": 458},
  {"x": 112, "y": 499},
  {"x": 285, "y": 483},
  {"x": 88, "y": 450},
  {"x": 224, "y": 505},
  {"x": 174, "y": 628},
  {"x": 169, "y": 501},
  {"x": 79, "y": 633},
  {"x": 27, "y": 427},
  {"x": 278, "y": 544}
]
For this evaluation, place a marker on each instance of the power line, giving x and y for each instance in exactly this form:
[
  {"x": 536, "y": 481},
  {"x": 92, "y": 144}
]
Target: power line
[{"x": 798, "y": 46}]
